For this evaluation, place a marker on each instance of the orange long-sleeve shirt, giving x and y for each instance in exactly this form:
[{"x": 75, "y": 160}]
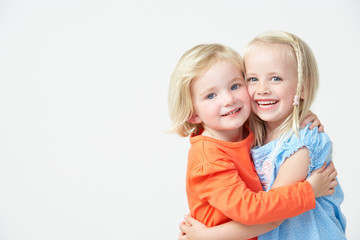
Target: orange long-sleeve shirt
[{"x": 222, "y": 185}]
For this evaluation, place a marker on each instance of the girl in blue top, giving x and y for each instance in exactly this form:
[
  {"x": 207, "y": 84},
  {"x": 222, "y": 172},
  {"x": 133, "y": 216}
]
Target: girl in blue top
[{"x": 282, "y": 79}]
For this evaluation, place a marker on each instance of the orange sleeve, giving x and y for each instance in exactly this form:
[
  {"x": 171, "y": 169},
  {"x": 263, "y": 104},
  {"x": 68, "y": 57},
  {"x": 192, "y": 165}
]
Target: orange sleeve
[{"x": 218, "y": 182}]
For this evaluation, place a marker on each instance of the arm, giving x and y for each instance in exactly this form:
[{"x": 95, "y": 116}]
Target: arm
[
  {"x": 322, "y": 180},
  {"x": 220, "y": 185},
  {"x": 294, "y": 169},
  {"x": 195, "y": 230}
]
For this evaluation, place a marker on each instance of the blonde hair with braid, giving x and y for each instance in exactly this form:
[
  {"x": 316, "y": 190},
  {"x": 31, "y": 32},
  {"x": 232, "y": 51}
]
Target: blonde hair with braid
[{"x": 308, "y": 82}]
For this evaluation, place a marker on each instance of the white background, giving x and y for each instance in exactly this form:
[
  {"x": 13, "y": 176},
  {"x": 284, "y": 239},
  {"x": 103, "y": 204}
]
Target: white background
[{"x": 83, "y": 107}]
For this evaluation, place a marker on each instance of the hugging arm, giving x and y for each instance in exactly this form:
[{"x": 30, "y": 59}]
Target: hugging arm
[
  {"x": 195, "y": 230},
  {"x": 293, "y": 170},
  {"x": 218, "y": 182}
]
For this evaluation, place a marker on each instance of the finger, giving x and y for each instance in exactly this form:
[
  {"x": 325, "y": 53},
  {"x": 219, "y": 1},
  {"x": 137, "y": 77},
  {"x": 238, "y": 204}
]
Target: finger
[
  {"x": 333, "y": 183},
  {"x": 187, "y": 223},
  {"x": 321, "y": 128},
  {"x": 190, "y": 220},
  {"x": 183, "y": 228},
  {"x": 331, "y": 191},
  {"x": 181, "y": 225},
  {"x": 315, "y": 123},
  {"x": 329, "y": 169},
  {"x": 319, "y": 170},
  {"x": 308, "y": 119},
  {"x": 303, "y": 123},
  {"x": 182, "y": 237},
  {"x": 333, "y": 175}
]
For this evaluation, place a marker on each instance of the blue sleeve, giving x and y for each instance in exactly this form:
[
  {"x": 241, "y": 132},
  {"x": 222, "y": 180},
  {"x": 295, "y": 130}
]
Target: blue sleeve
[{"x": 318, "y": 145}]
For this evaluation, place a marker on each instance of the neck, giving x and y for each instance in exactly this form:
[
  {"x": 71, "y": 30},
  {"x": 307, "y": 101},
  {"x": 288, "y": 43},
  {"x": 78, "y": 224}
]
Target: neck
[
  {"x": 233, "y": 135},
  {"x": 270, "y": 129}
]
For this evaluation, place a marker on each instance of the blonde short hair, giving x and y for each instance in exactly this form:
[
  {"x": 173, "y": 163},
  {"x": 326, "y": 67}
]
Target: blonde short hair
[
  {"x": 190, "y": 66},
  {"x": 308, "y": 81}
]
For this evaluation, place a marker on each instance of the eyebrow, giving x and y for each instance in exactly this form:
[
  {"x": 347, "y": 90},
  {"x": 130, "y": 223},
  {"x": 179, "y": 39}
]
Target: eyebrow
[
  {"x": 213, "y": 88},
  {"x": 276, "y": 73},
  {"x": 237, "y": 78},
  {"x": 205, "y": 92},
  {"x": 270, "y": 73}
]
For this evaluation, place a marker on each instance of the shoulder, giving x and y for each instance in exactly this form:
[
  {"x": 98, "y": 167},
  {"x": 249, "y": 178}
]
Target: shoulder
[
  {"x": 319, "y": 146},
  {"x": 204, "y": 152},
  {"x": 206, "y": 148},
  {"x": 314, "y": 140},
  {"x": 208, "y": 157}
]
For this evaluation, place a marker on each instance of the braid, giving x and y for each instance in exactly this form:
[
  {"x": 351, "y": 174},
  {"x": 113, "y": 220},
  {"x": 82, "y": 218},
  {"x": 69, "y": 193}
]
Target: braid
[{"x": 299, "y": 58}]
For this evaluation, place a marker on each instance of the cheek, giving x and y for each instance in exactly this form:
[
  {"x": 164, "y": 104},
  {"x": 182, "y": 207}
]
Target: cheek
[
  {"x": 209, "y": 107},
  {"x": 251, "y": 91},
  {"x": 244, "y": 97},
  {"x": 288, "y": 96}
]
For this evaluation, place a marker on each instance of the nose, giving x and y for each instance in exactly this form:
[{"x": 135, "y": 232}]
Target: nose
[
  {"x": 263, "y": 87},
  {"x": 229, "y": 99}
]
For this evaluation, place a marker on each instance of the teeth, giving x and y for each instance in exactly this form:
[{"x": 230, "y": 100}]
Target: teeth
[
  {"x": 232, "y": 112},
  {"x": 266, "y": 102}
]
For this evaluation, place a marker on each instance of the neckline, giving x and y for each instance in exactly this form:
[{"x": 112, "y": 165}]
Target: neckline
[{"x": 248, "y": 140}]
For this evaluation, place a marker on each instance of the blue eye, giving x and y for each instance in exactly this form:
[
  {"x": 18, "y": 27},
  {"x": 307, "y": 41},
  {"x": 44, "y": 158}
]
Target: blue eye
[
  {"x": 252, "y": 79},
  {"x": 275, "y": 79},
  {"x": 235, "y": 86},
  {"x": 210, "y": 96}
]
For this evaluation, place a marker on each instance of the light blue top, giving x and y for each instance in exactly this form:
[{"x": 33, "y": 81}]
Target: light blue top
[{"x": 325, "y": 221}]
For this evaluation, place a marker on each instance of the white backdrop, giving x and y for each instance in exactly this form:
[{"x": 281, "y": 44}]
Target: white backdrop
[{"x": 83, "y": 107}]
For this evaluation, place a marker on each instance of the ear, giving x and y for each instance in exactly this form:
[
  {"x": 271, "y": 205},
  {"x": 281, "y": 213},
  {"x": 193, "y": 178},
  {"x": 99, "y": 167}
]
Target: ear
[{"x": 194, "y": 119}]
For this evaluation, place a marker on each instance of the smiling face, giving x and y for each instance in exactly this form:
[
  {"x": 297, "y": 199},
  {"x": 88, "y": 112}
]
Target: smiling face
[
  {"x": 221, "y": 101},
  {"x": 271, "y": 75}
]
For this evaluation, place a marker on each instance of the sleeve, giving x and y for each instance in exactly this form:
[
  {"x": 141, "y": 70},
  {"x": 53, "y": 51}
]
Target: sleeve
[
  {"x": 318, "y": 145},
  {"x": 320, "y": 148},
  {"x": 218, "y": 183}
]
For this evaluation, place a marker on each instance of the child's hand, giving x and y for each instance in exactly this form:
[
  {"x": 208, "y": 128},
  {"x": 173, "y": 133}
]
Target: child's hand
[
  {"x": 312, "y": 118},
  {"x": 192, "y": 229},
  {"x": 323, "y": 180}
]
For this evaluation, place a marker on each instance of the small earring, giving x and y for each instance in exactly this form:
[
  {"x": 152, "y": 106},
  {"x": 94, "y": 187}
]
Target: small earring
[{"x": 296, "y": 100}]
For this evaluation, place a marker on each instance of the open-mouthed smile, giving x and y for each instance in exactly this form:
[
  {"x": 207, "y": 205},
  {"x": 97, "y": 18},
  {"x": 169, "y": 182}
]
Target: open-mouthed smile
[{"x": 266, "y": 104}]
